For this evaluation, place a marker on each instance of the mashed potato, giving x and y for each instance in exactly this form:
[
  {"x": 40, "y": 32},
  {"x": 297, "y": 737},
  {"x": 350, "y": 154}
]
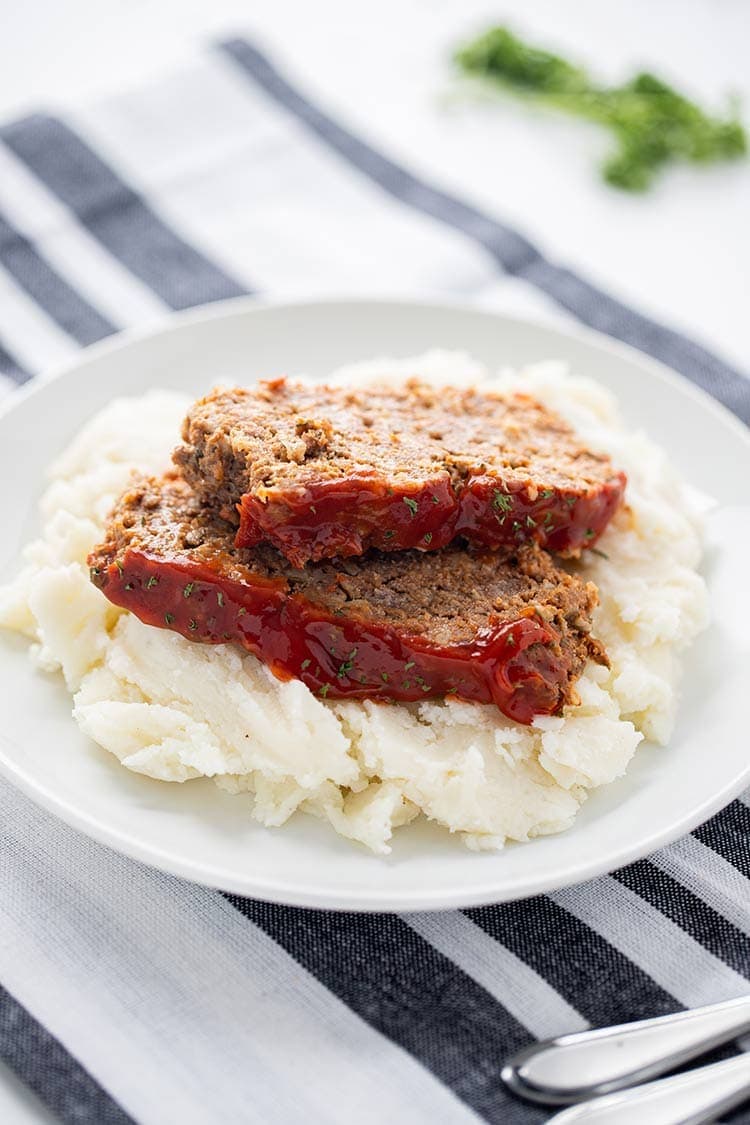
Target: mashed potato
[{"x": 174, "y": 710}]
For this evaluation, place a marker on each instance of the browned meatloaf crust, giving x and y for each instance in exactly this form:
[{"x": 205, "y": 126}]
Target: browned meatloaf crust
[
  {"x": 324, "y": 471},
  {"x": 505, "y": 627}
]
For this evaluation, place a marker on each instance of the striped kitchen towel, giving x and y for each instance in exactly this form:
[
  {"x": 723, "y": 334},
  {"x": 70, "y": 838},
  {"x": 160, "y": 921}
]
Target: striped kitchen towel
[{"x": 131, "y": 995}]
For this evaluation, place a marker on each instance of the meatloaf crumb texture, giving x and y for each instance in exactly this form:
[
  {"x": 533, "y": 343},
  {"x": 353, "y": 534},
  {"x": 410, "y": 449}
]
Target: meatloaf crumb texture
[
  {"x": 508, "y": 627},
  {"x": 323, "y": 471}
]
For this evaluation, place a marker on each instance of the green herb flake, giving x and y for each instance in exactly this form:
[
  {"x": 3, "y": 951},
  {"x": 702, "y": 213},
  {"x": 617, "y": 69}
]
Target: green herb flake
[
  {"x": 510, "y": 639},
  {"x": 384, "y": 677},
  {"x": 188, "y": 590},
  {"x": 192, "y": 624},
  {"x": 129, "y": 586},
  {"x": 546, "y": 493},
  {"x": 153, "y": 581},
  {"x": 601, "y": 554},
  {"x": 589, "y": 533},
  {"x": 530, "y": 521},
  {"x": 451, "y": 691},
  {"x": 548, "y": 521},
  {"x": 388, "y": 534},
  {"x": 571, "y": 501},
  {"x": 409, "y": 664},
  {"x": 435, "y": 499},
  {"x": 501, "y": 502},
  {"x": 653, "y": 124},
  {"x": 220, "y": 597},
  {"x": 169, "y": 618},
  {"x": 428, "y": 537},
  {"x": 412, "y": 505},
  {"x": 346, "y": 666},
  {"x": 406, "y": 685},
  {"x": 305, "y": 664},
  {"x": 241, "y": 611},
  {"x": 119, "y": 566},
  {"x": 324, "y": 689}
]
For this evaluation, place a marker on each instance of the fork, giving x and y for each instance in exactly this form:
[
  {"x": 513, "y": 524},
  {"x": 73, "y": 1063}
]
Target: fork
[{"x": 575, "y": 1068}]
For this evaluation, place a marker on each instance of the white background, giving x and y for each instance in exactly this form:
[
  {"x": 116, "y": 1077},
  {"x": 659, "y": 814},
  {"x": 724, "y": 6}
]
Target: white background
[{"x": 680, "y": 252}]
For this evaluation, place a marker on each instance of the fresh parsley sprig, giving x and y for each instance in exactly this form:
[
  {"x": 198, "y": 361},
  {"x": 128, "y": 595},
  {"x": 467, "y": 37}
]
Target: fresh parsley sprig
[{"x": 653, "y": 123}]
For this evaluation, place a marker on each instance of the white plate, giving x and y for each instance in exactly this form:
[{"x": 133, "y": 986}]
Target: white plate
[{"x": 196, "y": 831}]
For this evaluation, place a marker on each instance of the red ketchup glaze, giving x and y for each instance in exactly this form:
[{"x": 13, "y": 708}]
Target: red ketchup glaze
[
  {"x": 349, "y": 517},
  {"x": 341, "y": 657}
]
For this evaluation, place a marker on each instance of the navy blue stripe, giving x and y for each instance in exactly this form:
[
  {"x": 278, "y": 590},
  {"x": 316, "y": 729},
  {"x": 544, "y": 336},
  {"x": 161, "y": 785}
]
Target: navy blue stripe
[
  {"x": 401, "y": 985},
  {"x": 116, "y": 215},
  {"x": 53, "y": 1074},
  {"x": 596, "y": 979},
  {"x": 514, "y": 253},
  {"x": 10, "y": 366},
  {"x": 728, "y": 834},
  {"x": 49, "y": 290},
  {"x": 710, "y": 929}
]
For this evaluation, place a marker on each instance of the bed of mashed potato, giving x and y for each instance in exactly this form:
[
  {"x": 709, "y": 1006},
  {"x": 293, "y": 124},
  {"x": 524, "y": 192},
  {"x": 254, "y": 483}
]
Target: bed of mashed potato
[{"x": 175, "y": 710}]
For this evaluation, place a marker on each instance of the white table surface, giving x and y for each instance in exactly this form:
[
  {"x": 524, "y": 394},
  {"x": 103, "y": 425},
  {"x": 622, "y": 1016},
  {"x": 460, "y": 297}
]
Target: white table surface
[{"x": 680, "y": 252}]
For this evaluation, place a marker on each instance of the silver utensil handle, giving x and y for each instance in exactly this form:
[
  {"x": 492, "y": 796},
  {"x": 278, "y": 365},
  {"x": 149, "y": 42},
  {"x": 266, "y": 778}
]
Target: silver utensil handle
[
  {"x": 684, "y": 1099},
  {"x": 574, "y": 1067}
]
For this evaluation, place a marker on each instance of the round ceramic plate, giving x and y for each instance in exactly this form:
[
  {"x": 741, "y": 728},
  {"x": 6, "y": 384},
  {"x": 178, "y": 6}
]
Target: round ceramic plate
[{"x": 201, "y": 833}]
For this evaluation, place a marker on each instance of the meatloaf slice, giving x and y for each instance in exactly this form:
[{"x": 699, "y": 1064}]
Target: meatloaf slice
[
  {"x": 510, "y": 628},
  {"x": 324, "y": 471}
]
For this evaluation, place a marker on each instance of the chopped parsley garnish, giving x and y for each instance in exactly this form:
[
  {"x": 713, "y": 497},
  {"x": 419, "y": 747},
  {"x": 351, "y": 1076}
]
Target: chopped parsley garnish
[
  {"x": 129, "y": 586},
  {"x": 388, "y": 534},
  {"x": 412, "y": 505},
  {"x": 530, "y": 521},
  {"x": 220, "y": 597},
  {"x": 435, "y": 499},
  {"x": 305, "y": 664},
  {"x": 409, "y": 664},
  {"x": 510, "y": 639},
  {"x": 192, "y": 623},
  {"x": 384, "y": 677},
  {"x": 428, "y": 537},
  {"x": 241, "y": 611},
  {"x": 546, "y": 493},
  {"x": 451, "y": 691},
  {"x": 324, "y": 689},
  {"x": 571, "y": 501},
  {"x": 169, "y": 618},
  {"x": 346, "y": 666},
  {"x": 188, "y": 590},
  {"x": 406, "y": 685},
  {"x": 118, "y": 564},
  {"x": 516, "y": 525},
  {"x": 501, "y": 502},
  {"x": 153, "y": 581},
  {"x": 548, "y": 520},
  {"x": 590, "y": 533}
]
